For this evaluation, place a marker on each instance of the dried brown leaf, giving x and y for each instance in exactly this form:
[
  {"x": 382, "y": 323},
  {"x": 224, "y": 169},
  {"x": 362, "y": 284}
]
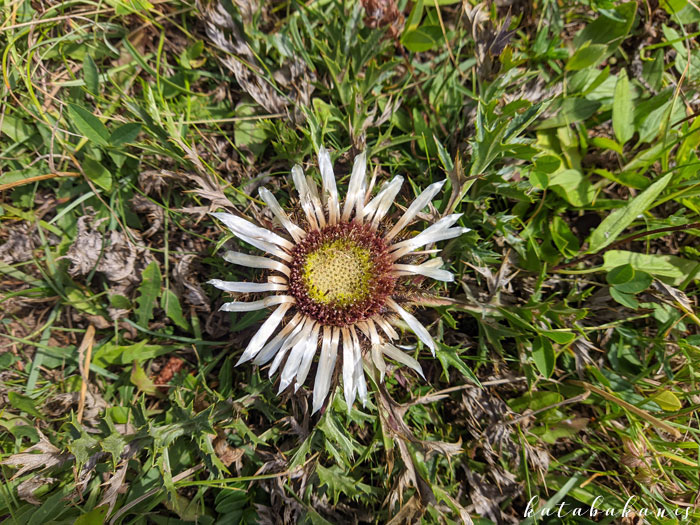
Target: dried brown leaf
[
  {"x": 47, "y": 457},
  {"x": 486, "y": 496},
  {"x": 187, "y": 284},
  {"x": 225, "y": 452},
  {"x": 21, "y": 242},
  {"x": 674, "y": 294},
  {"x": 61, "y": 404},
  {"x": 114, "y": 487},
  {"x": 26, "y": 489},
  {"x": 294, "y": 79},
  {"x": 153, "y": 212},
  {"x": 408, "y": 513},
  {"x": 154, "y": 181},
  {"x": 120, "y": 259},
  {"x": 443, "y": 447},
  {"x": 490, "y": 40}
]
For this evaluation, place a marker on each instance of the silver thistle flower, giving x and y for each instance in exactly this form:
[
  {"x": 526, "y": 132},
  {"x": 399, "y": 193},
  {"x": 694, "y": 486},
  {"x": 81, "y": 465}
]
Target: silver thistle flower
[{"x": 337, "y": 277}]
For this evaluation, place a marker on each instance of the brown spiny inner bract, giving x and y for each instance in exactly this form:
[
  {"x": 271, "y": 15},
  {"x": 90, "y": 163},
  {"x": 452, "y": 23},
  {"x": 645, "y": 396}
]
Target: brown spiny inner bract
[{"x": 341, "y": 274}]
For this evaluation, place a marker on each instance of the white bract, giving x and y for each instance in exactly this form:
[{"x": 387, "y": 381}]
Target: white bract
[{"x": 335, "y": 280}]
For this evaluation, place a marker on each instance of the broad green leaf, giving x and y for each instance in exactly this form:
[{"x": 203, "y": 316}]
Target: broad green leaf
[
  {"x": 17, "y": 129},
  {"x": 173, "y": 310},
  {"x": 600, "y": 79},
  {"x": 119, "y": 414},
  {"x": 148, "y": 291},
  {"x": 535, "y": 400},
  {"x": 7, "y": 360},
  {"x": 538, "y": 179},
  {"x": 83, "y": 447},
  {"x": 141, "y": 380},
  {"x": 423, "y": 38},
  {"x": 625, "y": 299},
  {"x": 88, "y": 125},
  {"x": 119, "y": 301},
  {"x": 94, "y": 517},
  {"x": 573, "y": 109},
  {"x": 615, "y": 223},
  {"x": 671, "y": 266},
  {"x": 608, "y": 30},
  {"x": 630, "y": 179},
  {"x": 543, "y": 355},
  {"x": 627, "y": 279},
  {"x": 668, "y": 401},
  {"x": 250, "y": 133},
  {"x": 653, "y": 70},
  {"x": 563, "y": 238},
  {"x": 586, "y": 56},
  {"x": 23, "y": 403},
  {"x": 415, "y": 16},
  {"x": 547, "y": 163},
  {"x": 606, "y": 143},
  {"x": 620, "y": 275},
  {"x": 561, "y": 337},
  {"x": 672, "y": 7},
  {"x": 97, "y": 173},
  {"x": 80, "y": 300},
  {"x": 90, "y": 75},
  {"x": 649, "y": 114},
  {"x": 125, "y": 133},
  {"x": 623, "y": 109},
  {"x": 573, "y": 186}
]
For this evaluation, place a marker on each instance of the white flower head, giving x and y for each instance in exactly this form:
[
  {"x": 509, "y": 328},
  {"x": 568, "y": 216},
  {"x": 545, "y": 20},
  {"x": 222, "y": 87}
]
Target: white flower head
[{"x": 335, "y": 280}]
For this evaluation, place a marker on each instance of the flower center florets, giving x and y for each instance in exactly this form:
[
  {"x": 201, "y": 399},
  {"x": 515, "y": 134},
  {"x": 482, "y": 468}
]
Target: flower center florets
[
  {"x": 338, "y": 272},
  {"x": 341, "y": 274}
]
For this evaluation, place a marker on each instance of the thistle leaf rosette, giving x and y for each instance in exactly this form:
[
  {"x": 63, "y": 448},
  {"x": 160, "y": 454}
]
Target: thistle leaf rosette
[{"x": 338, "y": 280}]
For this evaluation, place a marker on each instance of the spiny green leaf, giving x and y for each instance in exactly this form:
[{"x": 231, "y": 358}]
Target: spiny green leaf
[
  {"x": 448, "y": 357},
  {"x": 113, "y": 353},
  {"x": 141, "y": 380},
  {"x": 114, "y": 444},
  {"x": 339, "y": 483},
  {"x": 83, "y": 447},
  {"x": 173, "y": 310},
  {"x": 149, "y": 291}
]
